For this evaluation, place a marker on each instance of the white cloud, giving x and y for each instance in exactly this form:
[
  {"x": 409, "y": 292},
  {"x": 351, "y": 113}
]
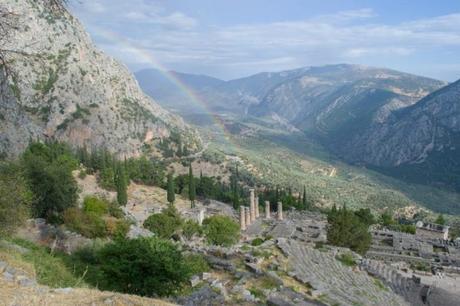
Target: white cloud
[{"x": 175, "y": 38}]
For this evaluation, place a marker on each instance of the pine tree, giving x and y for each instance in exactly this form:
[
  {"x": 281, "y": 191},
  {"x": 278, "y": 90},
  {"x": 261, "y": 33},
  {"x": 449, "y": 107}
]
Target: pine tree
[
  {"x": 191, "y": 187},
  {"x": 171, "y": 194},
  {"x": 121, "y": 185},
  {"x": 304, "y": 198}
]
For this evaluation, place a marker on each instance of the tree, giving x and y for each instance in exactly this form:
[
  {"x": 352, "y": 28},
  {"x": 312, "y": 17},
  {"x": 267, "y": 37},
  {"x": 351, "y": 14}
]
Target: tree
[
  {"x": 304, "y": 198},
  {"x": 345, "y": 229},
  {"x": 48, "y": 169},
  {"x": 440, "y": 220},
  {"x": 121, "y": 185},
  {"x": 171, "y": 195},
  {"x": 191, "y": 187},
  {"x": 15, "y": 198},
  {"x": 165, "y": 224},
  {"x": 221, "y": 230}
]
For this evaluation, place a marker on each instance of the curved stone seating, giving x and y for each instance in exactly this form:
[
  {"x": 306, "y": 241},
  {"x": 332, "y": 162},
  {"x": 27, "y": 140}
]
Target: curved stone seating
[{"x": 340, "y": 284}]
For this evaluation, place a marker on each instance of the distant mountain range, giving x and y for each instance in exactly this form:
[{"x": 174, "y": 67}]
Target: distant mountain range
[{"x": 399, "y": 123}]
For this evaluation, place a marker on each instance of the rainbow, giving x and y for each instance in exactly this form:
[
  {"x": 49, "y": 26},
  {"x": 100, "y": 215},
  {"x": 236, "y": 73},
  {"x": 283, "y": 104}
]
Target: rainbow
[{"x": 191, "y": 95}]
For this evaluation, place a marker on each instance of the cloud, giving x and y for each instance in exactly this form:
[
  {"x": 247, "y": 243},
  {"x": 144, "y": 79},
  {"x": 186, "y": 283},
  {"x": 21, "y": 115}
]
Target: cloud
[{"x": 175, "y": 38}]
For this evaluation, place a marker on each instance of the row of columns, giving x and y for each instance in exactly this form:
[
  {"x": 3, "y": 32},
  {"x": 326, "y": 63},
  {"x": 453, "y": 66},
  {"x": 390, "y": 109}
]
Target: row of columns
[{"x": 249, "y": 214}]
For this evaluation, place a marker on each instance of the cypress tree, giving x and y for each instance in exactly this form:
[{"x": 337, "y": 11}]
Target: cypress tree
[
  {"x": 171, "y": 194},
  {"x": 304, "y": 198},
  {"x": 191, "y": 187},
  {"x": 121, "y": 185}
]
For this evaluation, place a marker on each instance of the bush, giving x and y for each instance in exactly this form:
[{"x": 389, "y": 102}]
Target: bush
[
  {"x": 89, "y": 225},
  {"x": 191, "y": 228},
  {"x": 115, "y": 210},
  {"x": 221, "y": 230},
  {"x": 116, "y": 228},
  {"x": 94, "y": 205},
  {"x": 197, "y": 264},
  {"x": 257, "y": 242},
  {"x": 145, "y": 266},
  {"x": 347, "y": 259},
  {"x": 165, "y": 224}
]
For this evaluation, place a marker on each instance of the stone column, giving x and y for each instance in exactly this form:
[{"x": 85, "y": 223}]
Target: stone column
[
  {"x": 280, "y": 211},
  {"x": 252, "y": 205},
  {"x": 267, "y": 210},
  {"x": 248, "y": 216},
  {"x": 256, "y": 203},
  {"x": 242, "y": 219},
  {"x": 201, "y": 216}
]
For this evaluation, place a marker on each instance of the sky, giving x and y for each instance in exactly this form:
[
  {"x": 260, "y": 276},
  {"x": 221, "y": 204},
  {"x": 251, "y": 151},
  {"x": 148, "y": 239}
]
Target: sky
[{"x": 235, "y": 38}]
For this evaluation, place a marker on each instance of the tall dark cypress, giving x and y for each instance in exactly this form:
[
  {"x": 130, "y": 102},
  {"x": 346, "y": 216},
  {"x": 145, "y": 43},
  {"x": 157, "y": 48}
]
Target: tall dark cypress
[
  {"x": 171, "y": 194},
  {"x": 121, "y": 185},
  {"x": 191, "y": 187}
]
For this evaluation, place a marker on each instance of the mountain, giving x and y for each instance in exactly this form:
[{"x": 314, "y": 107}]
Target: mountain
[
  {"x": 59, "y": 86},
  {"x": 420, "y": 142},
  {"x": 165, "y": 86}
]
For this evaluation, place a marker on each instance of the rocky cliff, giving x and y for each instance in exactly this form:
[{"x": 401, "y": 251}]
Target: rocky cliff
[{"x": 60, "y": 86}]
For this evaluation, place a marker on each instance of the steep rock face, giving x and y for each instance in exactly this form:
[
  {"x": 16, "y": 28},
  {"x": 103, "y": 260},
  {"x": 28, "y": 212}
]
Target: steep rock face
[
  {"x": 413, "y": 135},
  {"x": 64, "y": 88}
]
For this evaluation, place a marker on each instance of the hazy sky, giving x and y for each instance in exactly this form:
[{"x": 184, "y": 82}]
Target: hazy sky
[{"x": 234, "y": 38}]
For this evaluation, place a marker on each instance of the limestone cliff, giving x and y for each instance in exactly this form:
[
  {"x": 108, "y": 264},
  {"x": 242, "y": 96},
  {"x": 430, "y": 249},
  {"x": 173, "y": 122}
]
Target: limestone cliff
[{"x": 62, "y": 87}]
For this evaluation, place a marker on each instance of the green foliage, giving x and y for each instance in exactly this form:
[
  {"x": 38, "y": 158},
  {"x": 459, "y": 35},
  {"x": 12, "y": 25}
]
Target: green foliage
[
  {"x": 165, "y": 224},
  {"x": 347, "y": 259},
  {"x": 365, "y": 216},
  {"x": 386, "y": 219},
  {"x": 94, "y": 205},
  {"x": 48, "y": 169},
  {"x": 440, "y": 220},
  {"x": 191, "y": 228},
  {"x": 221, "y": 230},
  {"x": 257, "y": 241},
  {"x": 50, "y": 268},
  {"x": 171, "y": 195},
  {"x": 197, "y": 263},
  {"x": 121, "y": 185},
  {"x": 45, "y": 84},
  {"x": 347, "y": 230},
  {"x": 407, "y": 228},
  {"x": 89, "y": 225},
  {"x": 15, "y": 198},
  {"x": 145, "y": 266},
  {"x": 191, "y": 187}
]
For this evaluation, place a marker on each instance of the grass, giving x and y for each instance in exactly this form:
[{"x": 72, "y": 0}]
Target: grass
[
  {"x": 346, "y": 259},
  {"x": 49, "y": 268},
  {"x": 380, "y": 285}
]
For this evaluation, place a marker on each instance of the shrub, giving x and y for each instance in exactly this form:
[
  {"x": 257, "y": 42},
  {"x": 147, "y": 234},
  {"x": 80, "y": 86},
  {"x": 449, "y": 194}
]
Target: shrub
[
  {"x": 197, "y": 264},
  {"x": 257, "y": 241},
  {"x": 94, "y": 205},
  {"x": 89, "y": 225},
  {"x": 221, "y": 230},
  {"x": 145, "y": 266},
  {"x": 116, "y": 228},
  {"x": 165, "y": 224},
  {"x": 115, "y": 210},
  {"x": 347, "y": 259},
  {"x": 191, "y": 228}
]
